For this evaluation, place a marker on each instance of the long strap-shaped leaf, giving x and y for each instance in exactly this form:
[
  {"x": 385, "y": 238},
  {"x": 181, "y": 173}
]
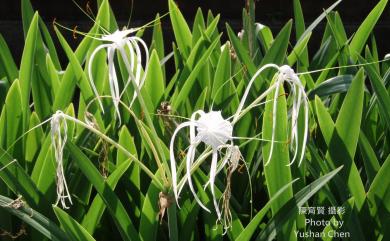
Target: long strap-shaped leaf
[
  {"x": 36, "y": 220},
  {"x": 96, "y": 209},
  {"x": 290, "y": 209},
  {"x": 72, "y": 227},
  {"x": 247, "y": 233},
  {"x": 114, "y": 205}
]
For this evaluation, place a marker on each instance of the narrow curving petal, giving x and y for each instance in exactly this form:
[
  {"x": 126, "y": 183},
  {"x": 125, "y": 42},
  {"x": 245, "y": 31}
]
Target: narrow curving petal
[
  {"x": 213, "y": 172},
  {"x": 172, "y": 159},
  {"x": 190, "y": 157},
  {"x": 58, "y": 141},
  {"x": 91, "y": 81},
  {"x": 113, "y": 82},
  {"x": 248, "y": 88},
  {"x": 274, "y": 112}
]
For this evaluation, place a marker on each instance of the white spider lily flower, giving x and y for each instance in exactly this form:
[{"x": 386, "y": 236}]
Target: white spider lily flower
[
  {"x": 213, "y": 130},
  {"x": 121, "y": 41},
  {"x": 285, "y": 75},
  {"x": 58, "y": 140}
]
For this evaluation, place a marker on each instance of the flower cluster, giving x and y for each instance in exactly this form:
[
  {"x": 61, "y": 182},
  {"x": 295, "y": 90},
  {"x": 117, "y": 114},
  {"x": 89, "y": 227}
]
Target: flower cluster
[{"x": 217, "y": 133}]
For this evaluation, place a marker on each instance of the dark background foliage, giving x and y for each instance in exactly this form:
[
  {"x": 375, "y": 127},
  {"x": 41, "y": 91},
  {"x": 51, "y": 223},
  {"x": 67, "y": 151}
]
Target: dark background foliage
[{"x": 273, "y": 13}]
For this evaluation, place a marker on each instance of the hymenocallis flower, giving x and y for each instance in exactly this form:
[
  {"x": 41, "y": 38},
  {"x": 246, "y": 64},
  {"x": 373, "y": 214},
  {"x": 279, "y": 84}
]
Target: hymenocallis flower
[
  {"x": 129, "y": 48},
  {"x": 216, "y": 132},
  {"x": 213, "y": 130},
  {"x": 298, "y": 95},
  {"x": 58, "y": 141}
]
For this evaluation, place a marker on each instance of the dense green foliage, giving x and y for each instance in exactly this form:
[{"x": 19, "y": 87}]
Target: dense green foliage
[{"x": 118, "y": 174}]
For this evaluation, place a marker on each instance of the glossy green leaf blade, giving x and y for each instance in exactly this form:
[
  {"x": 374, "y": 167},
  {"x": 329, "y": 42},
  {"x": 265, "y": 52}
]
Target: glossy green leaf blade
[
  {"x": 17, "y": 180},
  {"x": 69, "y": 78},
  {"x": 7, "y": 61},
  {"x": 314, "y": 24},
  {"x": 290, "y": 209},
  {"x": 77, "y": 69},
  {"x": 365, "y": 29},
  {"x": 180, "y": 29},
  {"x": 241, "y": 52},
  {"x": 325, "y": 120},
  {"x": 185, "y": 90},
  {"x": 251, "y": 228},
  {"x": 11, "y": 120},
  {"x": 344, "y": 140},
  {"x": 379, "y": 195},
  {"x": 371, "y": 163},
  {"x": 299, "y": 52},
  {"x": 27, "y": 64},
  {"x": 300, "y": 29},
  {"x": 338, "y": 84},
  {"x": 154, "y": 81},
  {"x": 150, "y": 213},
  {"x": 114, "y": 205},
  {"x": 383, "y": 97},
  {"x": 278, "y": 50},
  {"x": 72, "y": 227},
  {"x": 92, "y": 218},
  {"x": 35, "y": 219},
  {"x": 277, "y": 172}
]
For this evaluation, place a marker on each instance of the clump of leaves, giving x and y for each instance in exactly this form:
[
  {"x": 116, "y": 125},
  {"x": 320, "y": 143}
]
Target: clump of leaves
[{"x": 327, "y": 109}]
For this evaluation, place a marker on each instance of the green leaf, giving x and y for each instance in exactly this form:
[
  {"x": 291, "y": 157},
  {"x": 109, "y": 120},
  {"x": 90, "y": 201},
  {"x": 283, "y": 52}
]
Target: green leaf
[
  {"x": 185, "y": 90},
  {"x": 251, "y": 228},
  {"x": 290, "y": 209},
  {"x": 34, "y": 138},
  {"x": 221, "y": 83},
  {"x": 180, "y": 29},
  {"x": 277, "y": 172},
  {"x": 17, "y": 180},
  {"x": 299, "y": 52},
  {"x": 154, "y": 82},
  {"x": 241, "y": 52},
  {"x": 345, "y": 137},
  {"x": 11, "y": 119},
  {"x": 277, "y": 52},
  {"x": 200, "y": 103},
  {"x": 149, "y": 216},
  {"x": 300, "y": 29},
  {"x": 77, "y": 69},
  {"x": 383, "y": 97},
  {"x": 27, "y": 15},
  {"x": 313, "y": 25},
  {"x": 114, "y": 205},
  {"x": 371, "y": 163},
  {"x": 72, "y": 227},
  {"x": 7, "y": 61},
  {"x": 158, "y": 39},
  {"x": 27, "y": 65},
  {"x": 359, "y": 39},
  {"x": 69, "y": 79},
  {"x": 338, "y": 84},
  {"x": 198, "y": 27},
  {"x": 35, "y": 219},
  {"x": 96, "y": 209},
  {"x": 53, "y": 75},
  {"x": 378, "y": 195},
  {"x": 324, "y": 120}
]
